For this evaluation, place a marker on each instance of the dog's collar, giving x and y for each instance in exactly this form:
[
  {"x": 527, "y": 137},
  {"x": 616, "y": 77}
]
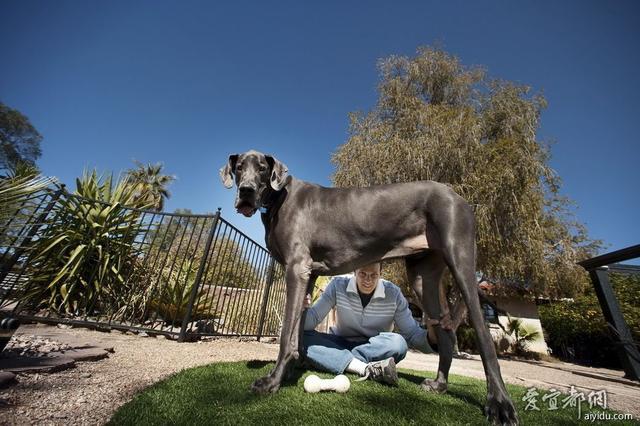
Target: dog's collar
[{"x": 271, "y": 198}]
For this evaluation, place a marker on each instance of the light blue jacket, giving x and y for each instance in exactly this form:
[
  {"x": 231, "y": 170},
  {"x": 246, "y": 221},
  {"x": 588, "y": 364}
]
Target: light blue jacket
[{"x": 387, "y": 306}]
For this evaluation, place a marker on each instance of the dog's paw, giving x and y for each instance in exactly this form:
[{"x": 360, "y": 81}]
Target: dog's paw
[
  {"x": 266, "y": 384},
  {"x": 430, "y": 385},
  {"x": 500, "y": 411}
]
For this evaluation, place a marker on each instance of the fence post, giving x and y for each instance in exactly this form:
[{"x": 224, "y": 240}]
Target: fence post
[
  {"x": 6, "y": 267},
  {"x": 626, "y": 348},
  {"x": 265, "y": 297},
  {"x": 598, "y": 268},
  {"x": 196, "y": 283}
]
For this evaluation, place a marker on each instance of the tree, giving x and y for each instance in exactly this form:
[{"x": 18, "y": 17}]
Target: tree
[
  {"x": 436, "y": 119},
  {"x": 152, "y": 184},
  {"x": 19, "y": 140}
]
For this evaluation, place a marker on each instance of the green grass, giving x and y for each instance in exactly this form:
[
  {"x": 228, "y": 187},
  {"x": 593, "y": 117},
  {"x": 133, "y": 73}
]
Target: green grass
[{"x": 218, "y": 394}]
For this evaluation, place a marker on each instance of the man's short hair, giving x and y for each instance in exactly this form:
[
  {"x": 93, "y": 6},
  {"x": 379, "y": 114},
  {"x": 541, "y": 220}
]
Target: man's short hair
[{"x": 379, "y": 263}]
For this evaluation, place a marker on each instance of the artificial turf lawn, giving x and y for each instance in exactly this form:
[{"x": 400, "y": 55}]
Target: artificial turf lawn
[{"x": 219, "y": 394}]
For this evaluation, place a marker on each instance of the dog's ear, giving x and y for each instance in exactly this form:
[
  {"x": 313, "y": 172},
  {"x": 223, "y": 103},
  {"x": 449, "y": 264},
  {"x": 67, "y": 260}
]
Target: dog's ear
[
  {"x": 226, "y": 173},
  {"x": 279, "y": 173}
]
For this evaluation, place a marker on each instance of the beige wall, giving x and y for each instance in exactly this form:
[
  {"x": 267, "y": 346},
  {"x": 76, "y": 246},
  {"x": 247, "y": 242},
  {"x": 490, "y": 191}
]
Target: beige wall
[{"x": 527, "y": 310}]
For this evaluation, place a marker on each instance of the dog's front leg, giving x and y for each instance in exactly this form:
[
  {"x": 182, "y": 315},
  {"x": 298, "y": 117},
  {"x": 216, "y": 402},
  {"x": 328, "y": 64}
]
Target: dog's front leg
[{"x": 297, "y": 278}]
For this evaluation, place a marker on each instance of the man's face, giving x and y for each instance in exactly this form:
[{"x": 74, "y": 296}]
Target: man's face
[{"x": 367, "y": 278}]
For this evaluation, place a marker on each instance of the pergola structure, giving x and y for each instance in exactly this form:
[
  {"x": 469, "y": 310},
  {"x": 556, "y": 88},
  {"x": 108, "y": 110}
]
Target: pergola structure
[{"x": 598, "y": 270}]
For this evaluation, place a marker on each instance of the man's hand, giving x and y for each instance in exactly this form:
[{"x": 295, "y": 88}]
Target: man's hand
[
  {"x": 432, "y": 335},
  {"x": 307, "y": 301},
  {"x": 446, "y": 323}
]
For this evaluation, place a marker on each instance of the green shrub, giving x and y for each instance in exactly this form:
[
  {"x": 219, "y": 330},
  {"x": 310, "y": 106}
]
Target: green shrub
[
  {"x": 466, "y": 336},
  {"x": 577, "y": 330}
]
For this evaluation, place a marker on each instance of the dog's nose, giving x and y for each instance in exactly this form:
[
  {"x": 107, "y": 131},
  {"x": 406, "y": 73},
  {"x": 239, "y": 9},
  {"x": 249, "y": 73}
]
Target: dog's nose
[{"x": 246, "y": 191}]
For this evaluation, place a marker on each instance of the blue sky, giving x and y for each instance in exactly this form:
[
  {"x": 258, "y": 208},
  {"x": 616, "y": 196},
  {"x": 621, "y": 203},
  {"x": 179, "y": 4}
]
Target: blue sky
[{"x": 188, "y": 83}]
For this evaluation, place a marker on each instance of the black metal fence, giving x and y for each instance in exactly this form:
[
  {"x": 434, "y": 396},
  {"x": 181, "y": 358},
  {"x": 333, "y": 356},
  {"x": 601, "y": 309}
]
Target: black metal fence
[{"x": 69, "y": 259}]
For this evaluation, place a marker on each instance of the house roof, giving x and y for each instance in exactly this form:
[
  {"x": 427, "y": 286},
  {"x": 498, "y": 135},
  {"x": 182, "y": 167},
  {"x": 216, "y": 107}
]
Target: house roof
[{"x": 504, "y": 288}]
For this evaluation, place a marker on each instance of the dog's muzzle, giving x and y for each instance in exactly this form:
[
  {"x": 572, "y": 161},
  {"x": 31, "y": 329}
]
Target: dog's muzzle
[{"x": 247, "y": 201}]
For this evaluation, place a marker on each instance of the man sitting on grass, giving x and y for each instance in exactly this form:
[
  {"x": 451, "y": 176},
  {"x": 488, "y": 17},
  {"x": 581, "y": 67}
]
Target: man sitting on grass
[{"x": 361, "y": 341}]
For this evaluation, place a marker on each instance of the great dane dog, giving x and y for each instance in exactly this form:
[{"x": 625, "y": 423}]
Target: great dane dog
[{"x": 315, "y": 231}]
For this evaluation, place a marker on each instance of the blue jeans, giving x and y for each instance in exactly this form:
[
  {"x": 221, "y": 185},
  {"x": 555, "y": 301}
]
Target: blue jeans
[{"x": 332, "y": 353}]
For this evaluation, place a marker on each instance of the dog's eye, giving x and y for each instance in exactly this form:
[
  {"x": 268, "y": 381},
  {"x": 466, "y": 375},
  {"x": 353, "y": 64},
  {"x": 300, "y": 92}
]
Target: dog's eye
[
  {"x": 238, "y": 167},
  {"x": 263, "y": 168}
]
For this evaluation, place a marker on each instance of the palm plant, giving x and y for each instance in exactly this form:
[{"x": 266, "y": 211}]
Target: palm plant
[
  {"x": 522, "y": 334},
  {"x": 151, "y": 183}
]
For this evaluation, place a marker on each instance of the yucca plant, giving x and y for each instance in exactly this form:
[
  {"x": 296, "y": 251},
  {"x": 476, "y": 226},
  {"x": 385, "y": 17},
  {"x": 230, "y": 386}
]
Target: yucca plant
[
  {"x": 174, "y": 281},
  {"x": 173, "y": 300},
  {"x": 81, "y": 261}
]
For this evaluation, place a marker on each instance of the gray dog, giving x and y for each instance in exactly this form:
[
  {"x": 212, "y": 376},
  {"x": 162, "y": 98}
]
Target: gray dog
[{"x": 315, "y": 231}]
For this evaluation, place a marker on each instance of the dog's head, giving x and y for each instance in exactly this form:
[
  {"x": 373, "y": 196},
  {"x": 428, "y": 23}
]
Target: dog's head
[{"x": 255, "y": 175}]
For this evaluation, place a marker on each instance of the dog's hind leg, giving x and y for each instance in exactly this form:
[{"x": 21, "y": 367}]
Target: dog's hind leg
[
  {"x": 459, "y": 254},
  {"x": 425, "y": 274},
  {"x": 298, "y": 275}
]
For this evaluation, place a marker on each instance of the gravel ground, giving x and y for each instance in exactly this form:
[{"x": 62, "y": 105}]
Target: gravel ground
[
  {"x": 32, "y": 346},
  {"x": 90, "y": 393}
]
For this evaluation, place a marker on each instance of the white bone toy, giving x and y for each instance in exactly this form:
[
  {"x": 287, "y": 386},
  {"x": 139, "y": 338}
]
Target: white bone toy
[{"x": 340, "y": 384}]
